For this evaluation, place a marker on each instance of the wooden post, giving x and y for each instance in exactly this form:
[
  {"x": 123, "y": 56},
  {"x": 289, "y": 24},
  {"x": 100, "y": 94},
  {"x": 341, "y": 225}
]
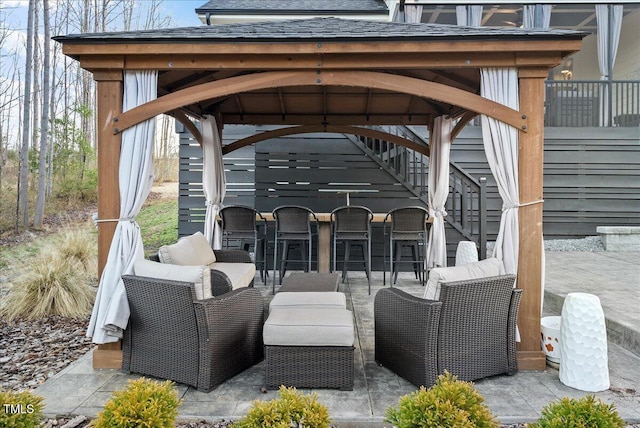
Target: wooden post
[
  {"x": 530, "y": 167},
  {"x": 110, "y": 90}
]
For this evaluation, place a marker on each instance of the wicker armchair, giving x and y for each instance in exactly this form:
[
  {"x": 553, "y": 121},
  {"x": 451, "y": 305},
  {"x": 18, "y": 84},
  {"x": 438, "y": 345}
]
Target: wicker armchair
[
  {"x": 220, "y": 282},
  {"x": 201, "y": 343},
  {"x": 469, "y": 331}
]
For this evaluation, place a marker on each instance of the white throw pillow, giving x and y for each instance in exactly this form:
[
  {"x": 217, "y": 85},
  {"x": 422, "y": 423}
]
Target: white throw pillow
[
  {"x": 193, "y": 250},
  {"x": 481, "y": 269},
  {"x": 200, "y": 276}
]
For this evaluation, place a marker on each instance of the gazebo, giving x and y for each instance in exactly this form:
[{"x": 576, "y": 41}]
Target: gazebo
[{"x": 334, "y": 75}]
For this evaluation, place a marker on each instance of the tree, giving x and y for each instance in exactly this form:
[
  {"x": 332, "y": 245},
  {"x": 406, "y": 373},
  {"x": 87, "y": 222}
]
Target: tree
[
  {"x": 23, "y": 184},
  {"x": 44, "y": 121}
]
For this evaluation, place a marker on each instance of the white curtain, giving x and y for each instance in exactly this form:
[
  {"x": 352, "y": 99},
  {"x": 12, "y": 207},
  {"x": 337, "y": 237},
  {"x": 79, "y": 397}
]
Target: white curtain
[
  {"x": 608, "y": 40},
  {"x": 213, "y": 180},
  {"x": 501, "y": 147},
  {"x": 439, "y": 148},
  {"x": 469, "y": 15},
  {"x": 536, "y": 16},
  {"x": 412, "y": 13},
  {"x": 111, "y": 309}
]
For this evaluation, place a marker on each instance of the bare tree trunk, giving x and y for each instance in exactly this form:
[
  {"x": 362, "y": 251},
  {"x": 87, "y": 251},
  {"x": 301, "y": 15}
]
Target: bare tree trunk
[
  {"x": 44, "y": 122},
  {"x": 23, "y": 206}
]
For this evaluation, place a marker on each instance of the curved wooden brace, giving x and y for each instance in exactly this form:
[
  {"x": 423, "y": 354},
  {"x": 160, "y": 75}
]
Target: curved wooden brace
[
  {"x": 466, "y": 118},
  {"x": 307, "y": 129},
  {"x": 183, "y": 119},
  {"x": 366, "y": 79}
]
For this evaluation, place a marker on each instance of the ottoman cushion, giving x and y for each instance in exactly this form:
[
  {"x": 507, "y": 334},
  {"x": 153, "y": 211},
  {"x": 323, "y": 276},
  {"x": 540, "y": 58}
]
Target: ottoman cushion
[
  {"x": 309, "y": 300},
  {"x": 309, "y": 327}
]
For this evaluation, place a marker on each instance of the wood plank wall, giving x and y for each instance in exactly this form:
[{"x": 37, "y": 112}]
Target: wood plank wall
[{"x": 591, "y": 177}]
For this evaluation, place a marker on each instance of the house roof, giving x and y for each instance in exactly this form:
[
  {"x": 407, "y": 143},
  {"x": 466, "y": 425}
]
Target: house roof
[
  {"x": 297, "y": 7},
  {"x": 320, "y": 54},
  {"x": 329, "y": 28}
]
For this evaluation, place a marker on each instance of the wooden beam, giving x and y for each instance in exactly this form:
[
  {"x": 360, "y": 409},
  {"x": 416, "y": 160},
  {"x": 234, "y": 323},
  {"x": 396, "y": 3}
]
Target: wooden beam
[
  {"x": 110, "y": 92},
  {"x": 343, "y": 129},
  {"x": 319, "y": 119},
  {"x": 183, "y": 119},
  {"x": 464, "y": 120},
  {"x": 292, "y": 49},
  {"x": 352, "y": 61},
  {"x": 530, "y": 169},
  {"x": 365, "y": 79}
]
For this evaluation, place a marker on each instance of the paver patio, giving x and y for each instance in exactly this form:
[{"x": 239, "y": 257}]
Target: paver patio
[{"x": 79, "y": 389}]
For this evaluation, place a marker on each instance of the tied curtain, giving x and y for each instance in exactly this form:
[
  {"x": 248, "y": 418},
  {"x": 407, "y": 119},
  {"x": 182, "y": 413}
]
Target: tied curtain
[
  {"x": 213, "y": 180},
  {"x": 439, "y": 148},
  {"x": 469, "y": 15},
  {"x": 111, "y": 309},
  {"x": 609, "y": 19},
  {"x": 412, "y": 13},
  {"x": 501, "y": 147},
  {"x": 536, "y": 16}
]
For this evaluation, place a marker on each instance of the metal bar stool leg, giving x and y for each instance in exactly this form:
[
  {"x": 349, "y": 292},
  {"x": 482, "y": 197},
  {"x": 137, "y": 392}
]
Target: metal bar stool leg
[
  {"x": 347, "y": 251},
  {"x": 275, "y": 261}
]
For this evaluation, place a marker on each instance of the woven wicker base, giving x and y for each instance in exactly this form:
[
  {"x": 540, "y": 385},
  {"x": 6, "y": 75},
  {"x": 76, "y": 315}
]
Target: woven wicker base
[{"x": 309, "y": 366}]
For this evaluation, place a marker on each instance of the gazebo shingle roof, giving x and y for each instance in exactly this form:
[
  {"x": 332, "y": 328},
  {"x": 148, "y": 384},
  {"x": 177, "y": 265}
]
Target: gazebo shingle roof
[
  {"x": 293, "y": 6},
  {"x": 316, "y": 28}
]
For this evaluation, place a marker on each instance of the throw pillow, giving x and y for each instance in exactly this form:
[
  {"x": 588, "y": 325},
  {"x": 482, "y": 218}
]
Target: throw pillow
[
  {"x": 193, "y": 250},
  {"x": 481, "y": 269}
]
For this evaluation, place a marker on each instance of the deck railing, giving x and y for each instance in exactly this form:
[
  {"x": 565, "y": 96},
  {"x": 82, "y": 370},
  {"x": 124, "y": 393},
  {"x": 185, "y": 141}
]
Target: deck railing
[{"x": 592, "y": 103}]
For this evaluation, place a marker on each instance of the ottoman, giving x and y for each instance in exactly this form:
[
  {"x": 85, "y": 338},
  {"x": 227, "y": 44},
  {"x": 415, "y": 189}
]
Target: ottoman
[
  {"x": 311, "y": 281},
  {"x": 309, "y": 348}
]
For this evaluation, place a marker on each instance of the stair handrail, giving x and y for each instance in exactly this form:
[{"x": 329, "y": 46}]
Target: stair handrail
[{"x": 409, "y": 168}]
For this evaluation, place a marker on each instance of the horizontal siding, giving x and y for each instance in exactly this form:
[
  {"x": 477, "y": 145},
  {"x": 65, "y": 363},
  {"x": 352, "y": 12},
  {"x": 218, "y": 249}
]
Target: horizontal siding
[
  {"x": 316, "y": 171},
  {"x": 591, "y": 178}
]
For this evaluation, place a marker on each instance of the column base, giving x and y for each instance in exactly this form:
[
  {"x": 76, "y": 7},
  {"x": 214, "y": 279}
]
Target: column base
[
  {"x": 531, "y": 360},
  {"x": 108, "y": 356}
]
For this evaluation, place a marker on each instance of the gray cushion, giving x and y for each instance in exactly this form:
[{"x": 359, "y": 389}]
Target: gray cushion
[
  {"x": 200, "y": 276},
  {"x": 309, "y": 327},
  {"x": 309, "y": 299},
  {"x": 481, "y": 269},
  {"x": 240, "y": 274}
]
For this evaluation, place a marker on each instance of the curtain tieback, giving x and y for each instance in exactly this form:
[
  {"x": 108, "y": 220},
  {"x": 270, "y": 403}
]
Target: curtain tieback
[
  {"x": 525, "y": 204},
  {"x": 438, "y": 213},
  {"x": 97, "y": 220},
  {"x": 215, "y": 205}
]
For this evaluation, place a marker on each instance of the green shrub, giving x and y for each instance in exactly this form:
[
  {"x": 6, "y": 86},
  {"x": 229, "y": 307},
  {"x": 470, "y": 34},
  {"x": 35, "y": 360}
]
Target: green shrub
[
  {"x": 585, "y": 412},
  {"x": 292, "y": 409},
  {"x": 143, "y": 403},
  {"x": 449, "y": 403},
  {"x": 20, "y": 409}
]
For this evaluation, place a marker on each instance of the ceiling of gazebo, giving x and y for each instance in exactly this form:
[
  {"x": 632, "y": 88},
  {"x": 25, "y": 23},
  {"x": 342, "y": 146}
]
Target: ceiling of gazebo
[
  {"x": 443, "y": 54},
  {"x": 322, "y": 104}
]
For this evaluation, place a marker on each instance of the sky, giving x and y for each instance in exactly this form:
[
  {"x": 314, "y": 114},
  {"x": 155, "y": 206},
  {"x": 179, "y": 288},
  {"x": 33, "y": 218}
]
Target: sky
[{"x": 13, "y": 24}]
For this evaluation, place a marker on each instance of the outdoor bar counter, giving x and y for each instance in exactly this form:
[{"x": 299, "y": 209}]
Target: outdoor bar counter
[{"x": 324, "y": 235}]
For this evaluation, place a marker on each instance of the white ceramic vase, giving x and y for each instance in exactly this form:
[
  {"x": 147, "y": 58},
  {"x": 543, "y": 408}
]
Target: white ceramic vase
[
  {"x": 550, "y": 332},
  {"x": 583, "y": 344}
]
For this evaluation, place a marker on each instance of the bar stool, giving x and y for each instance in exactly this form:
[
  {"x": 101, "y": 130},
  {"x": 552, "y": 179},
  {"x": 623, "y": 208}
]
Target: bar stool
[
  {"x": 351, "y": 224},
  {"x": 408, "y": 227},
  {"x": 239, "y": 223},
  {"x": 293, "y": 225}
]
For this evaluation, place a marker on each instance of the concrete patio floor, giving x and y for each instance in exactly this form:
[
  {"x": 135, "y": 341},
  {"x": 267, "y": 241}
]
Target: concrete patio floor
[{"x": 614, "y": 277}]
